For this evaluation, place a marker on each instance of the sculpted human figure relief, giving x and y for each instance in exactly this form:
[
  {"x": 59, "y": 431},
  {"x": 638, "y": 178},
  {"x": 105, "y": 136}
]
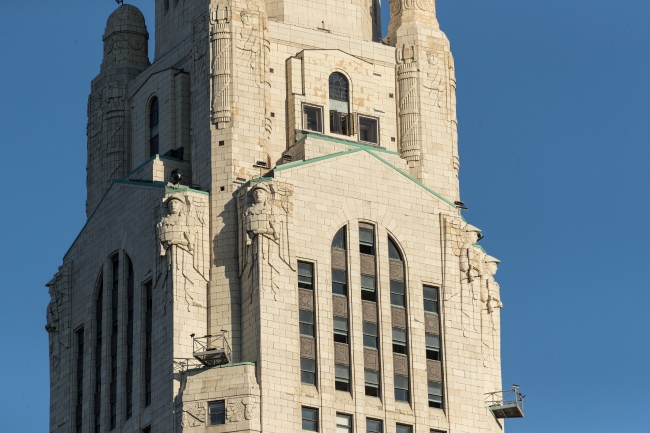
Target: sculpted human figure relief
[
  {"x": 177, "y": 244},
  {"x": 248, "y": 40},
  {"x": 490, "y": 302},
  {"x": 434, "y": 81}
]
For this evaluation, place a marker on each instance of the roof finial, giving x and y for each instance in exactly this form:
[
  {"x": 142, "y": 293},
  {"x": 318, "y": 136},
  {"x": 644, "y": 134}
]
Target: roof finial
[{"x": 120, "y": 2}]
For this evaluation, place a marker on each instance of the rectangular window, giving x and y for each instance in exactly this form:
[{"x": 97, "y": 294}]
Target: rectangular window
[
  {"x": 368, "y": 288},
  {"x": 148, "y": 347},
  {"x": 114, "y": 336},
  {"x": 339, "y": 122},
  {"x": 367, "y": 241},
  {"x": 397, "y": 297},
  {"x": 401, "y": 388},
  {"x": 373, "y": 426},
  {"x": 343, "y": 423},
  {"x": 99, "y": 335},
  {"x": 403, "y": 428},
  {"x": 305, "y": 275},
  {"x": 435, "y": 394},
  {"x": 129, "y": 341},
  {"x": 306, "y": 319},
  {"x": 370, "y": 335},
  {"x": 431, "y": 299},
  {"x": 372, "y": 383},
  {"x": 369, "y": 129},
  {"x": 340, "y": 329},
  {"x": 312, "y": 118},
  {"x": 147, "y": 429},
  {"x": 399, "y": 340},
  {"x": 309, "y": 419},
  {"x": 80, "y": 381},
  {"x": 339, "y": 282},
  {"x": 217, "y": 412},
  {"x": 342, "y": 377},
  {"x": 433, "y": 347},
  {"x": 308, "y": 371}
]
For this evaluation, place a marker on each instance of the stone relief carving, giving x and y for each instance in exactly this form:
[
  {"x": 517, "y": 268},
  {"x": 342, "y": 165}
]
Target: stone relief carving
[
  {"x": 342, "y": 353},
  {"x": 178, "y": 233},
  {"x": 434, "y": 81},
  {"x": 371, "y": 359},
  {"x": 264, "y": 233},
  {"x": 408, "y": 108},
  {"x": 396, "y": 6},
  {"x": 305, "y": 299},
  {"x": 220, "y": 66},
  {"x": 307, "y": 347},
  {"x": 434, "y": 370},
  {"x": 235, "y": 410},
  {"x": 192, "y": 414},
  {"x": 252, "y": 409},
  {"x": 490, "y": 302}
]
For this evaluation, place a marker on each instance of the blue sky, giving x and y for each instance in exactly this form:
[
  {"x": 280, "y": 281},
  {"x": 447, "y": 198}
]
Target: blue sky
[{"x": 554, "y": 145}]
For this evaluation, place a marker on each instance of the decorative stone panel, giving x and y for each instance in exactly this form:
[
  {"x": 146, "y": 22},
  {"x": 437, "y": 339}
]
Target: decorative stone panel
[
  {"x": 192, "y": 414},
  {"x": 341, "y": 353},
  {"x": 432, "y": 323},
  {"x": 338, "y": 259},
  {"x": 401, "y": 364},
  {"x": 367, "y": 264},
  {"x": 340, "y": 305},
  {"x": 371, "y": 359},
  {"x": 398, "y": 316},
  {"x": 369, "y": 311},
  {"x": 434, "y": 370},
  {"x": 396, "y": 270},
  {"x": 307, "y": 347},
  {"x": 306, "y": 299}
]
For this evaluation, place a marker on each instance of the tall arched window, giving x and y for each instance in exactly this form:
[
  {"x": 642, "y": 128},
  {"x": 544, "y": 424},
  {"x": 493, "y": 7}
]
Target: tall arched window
[
  {"x": 99, "y": 337},
  {"x": 153, "y": 128},
  {"x": 130, "y": 297},
  {"x": 399, "y": 322},
  {"x": 339, "y": 89}
]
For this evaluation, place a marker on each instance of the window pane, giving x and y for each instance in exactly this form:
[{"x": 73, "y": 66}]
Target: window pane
[
  {"x": 397, "y": 287},
  {"x": 368, "y": 129},
  {"x": 308, "y": 365},
  {"x": 373, "y": 426},
  {"x": 339, "y": 239},
  {"x": 312, "y": 118},
  {"x": 393, "y": 251},
  {"x": 366, "y": 236},
  {"x": 342, "y": 372},
  {"x": 306, "y": 316},
  {"x": 399, "y": 335},
  {"x": 433, "y": 341},
  {"x": 371, "y": 377},
  {"x": 309, "y": 419},
  {"x": 338, "y": 87},
  {"x": 308, "y": 371},
  {"x": 339, "y": 282},
  {"x": 401, "y": 428},
  {"x": 367, "y": 282},
  {"x": 305, "y": 269},
  {"x": 370, "y": 328},
  {"x": 341, "y": 324},
  {"x": 431, "y": 306},
  {"x": 343, "y": 420},
  {"x": 435, "y": 388},
  {"x": 401, "y": 382},
  {"x": 430, "y": 293},
  {"x": 217, "y": 412},
  {"x": 370, "y": 341},
  {"x": 369, "y": 295},
  {"x": 306, "y": 329}
]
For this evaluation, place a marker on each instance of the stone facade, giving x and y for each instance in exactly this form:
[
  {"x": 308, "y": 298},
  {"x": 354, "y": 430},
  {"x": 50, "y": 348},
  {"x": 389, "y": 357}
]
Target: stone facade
[{"x": 259, "y": 162}]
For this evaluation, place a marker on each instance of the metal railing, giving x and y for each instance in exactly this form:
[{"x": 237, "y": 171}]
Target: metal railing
[
  {"x": 508, "y": 403},
  {"x": 183, "y": 365},
  {"x": 212, "y": 350}
]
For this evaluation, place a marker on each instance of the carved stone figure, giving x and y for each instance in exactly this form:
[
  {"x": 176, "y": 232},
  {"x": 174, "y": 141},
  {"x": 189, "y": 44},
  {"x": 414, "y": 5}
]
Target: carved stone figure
[
  {"x": 435, "y": 79},
  {"x": 490, "y": 303},
  {"x": 52, "y": 309},
  {"x": 177, "y": 232},
  {"x": 408, "y": 109},
  {"x": 220, "y": 67},
  {"x": 264, "y": 233},
  {"x": 248, "y": 41},
  {"x": 235, "y": 411},
  {"x": 252, "y": 409}
]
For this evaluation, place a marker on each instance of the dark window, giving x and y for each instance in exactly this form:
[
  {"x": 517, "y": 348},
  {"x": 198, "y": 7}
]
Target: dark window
[
  {"x": 306, "y": 319},
  {"x": 436, "y": 431},
  {"x": 99, "y": 336},
  {"x": 435, "y": 394},
  {"x": 339, "y": 282},
  {"x": 373, "y": 426},
  {"x": 306, "y": 275},
  {"x": 217, "y": 412},
  {"x": 339, "y": 239},
  {"x": 147, "y": 429},
  {"x": 340, "y": 123},
  {"x": 340, "y": 329},
  {"x": 401, "y": 388},
  {"x": 370, "y": 335},
  {"x": 368, "y": 129},
  {"x": 372, "y": 383},
  {"x": 397, "y": 296},
  {"x": 130, "y": 296},
  {"x": 393, "y": 251},
  {"x": 154, "y": 147},
  {"x": 433, "y": 347},
  {"x": 148, "y": 327},
  {"x": 309, "y": 419},
  {"x": 431, "y": 299},
  {"x": 342, "y": 377},
  {"x": 115, "y": 302},
  {"x": 339, "y": 87},
  {"x": 368, "y": 288},
  {"x": 308, "y": 371},
  {"x": 80, "y": 381},
  {"x": 399, "y": 340},
  {"x": 403, "y": 428},
  {"x": 343, "y": 423},
  {"x": 312, "y": 118},
  {"x": 367, "y": 241}
]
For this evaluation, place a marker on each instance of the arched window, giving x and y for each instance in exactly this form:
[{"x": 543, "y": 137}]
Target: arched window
[
  {"x": 339, "y": 90},
  {"x": 99, "y": 337},
  {"x": 153, "y": 128},
  {"x": 130, "y": 304}
]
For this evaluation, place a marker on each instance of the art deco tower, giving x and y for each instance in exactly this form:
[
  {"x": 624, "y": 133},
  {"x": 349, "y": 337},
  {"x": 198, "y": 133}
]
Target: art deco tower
[{"x": 273, "y": 241}]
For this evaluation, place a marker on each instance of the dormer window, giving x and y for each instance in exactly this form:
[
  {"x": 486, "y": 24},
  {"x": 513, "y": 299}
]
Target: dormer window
[{"x": 339, "y": 90}]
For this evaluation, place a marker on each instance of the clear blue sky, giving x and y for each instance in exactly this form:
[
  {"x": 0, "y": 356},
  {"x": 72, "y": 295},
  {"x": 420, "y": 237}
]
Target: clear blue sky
[{"x": 554, "y": 144}]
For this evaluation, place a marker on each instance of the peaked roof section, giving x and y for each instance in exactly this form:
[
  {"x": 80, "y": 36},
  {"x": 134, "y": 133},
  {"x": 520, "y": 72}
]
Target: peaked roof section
[{"x": 375, "y": 152}]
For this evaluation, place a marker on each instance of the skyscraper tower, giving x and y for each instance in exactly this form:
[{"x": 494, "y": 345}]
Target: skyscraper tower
[{"x": 274, "y": 241}]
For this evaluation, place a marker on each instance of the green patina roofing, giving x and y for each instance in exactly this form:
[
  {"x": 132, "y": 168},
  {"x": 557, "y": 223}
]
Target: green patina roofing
[
  {"x": 172, "y": 191},
  {"x": 480, "y": 248}
]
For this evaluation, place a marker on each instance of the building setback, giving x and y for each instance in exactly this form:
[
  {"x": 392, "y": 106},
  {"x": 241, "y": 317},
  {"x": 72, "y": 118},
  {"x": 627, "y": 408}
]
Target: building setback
[{"x": 274, "y": 240}]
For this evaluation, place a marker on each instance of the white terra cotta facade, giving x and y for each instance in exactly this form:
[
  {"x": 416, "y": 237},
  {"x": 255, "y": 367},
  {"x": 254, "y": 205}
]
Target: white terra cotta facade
[{"x": 282, "y": 176}]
